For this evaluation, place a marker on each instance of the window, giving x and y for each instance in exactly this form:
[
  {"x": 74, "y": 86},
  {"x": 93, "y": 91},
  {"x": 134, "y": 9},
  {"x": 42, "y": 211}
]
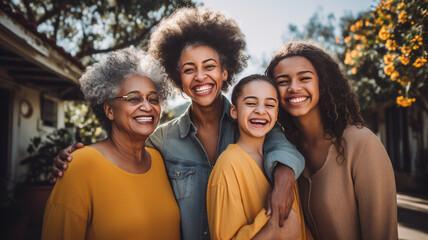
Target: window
[{"x": 49, "y": 112}]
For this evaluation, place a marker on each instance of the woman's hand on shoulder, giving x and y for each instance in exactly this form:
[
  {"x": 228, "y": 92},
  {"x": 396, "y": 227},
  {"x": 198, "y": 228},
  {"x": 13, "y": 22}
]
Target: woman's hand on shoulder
[{"x": 60, "y": 161}]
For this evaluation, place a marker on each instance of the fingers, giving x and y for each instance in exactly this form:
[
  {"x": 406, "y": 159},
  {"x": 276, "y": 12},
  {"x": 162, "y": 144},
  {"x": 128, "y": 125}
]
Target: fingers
[
  {"x": 56, "y": 172},
  {"x": 77, "y": 146},
  {"x": 269, "y": 205}
]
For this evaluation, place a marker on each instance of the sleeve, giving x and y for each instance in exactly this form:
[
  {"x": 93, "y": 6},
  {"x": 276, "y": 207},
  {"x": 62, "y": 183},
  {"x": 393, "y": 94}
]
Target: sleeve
[
  {"x": 155, "y": 140},
  {"x": 278, "y": 149},
  {"x": 67, "y": 210},
  {"x": 226, "y": 217},
  {"x": 61, "y": 222},
  {"x": 375, "y": 191}
]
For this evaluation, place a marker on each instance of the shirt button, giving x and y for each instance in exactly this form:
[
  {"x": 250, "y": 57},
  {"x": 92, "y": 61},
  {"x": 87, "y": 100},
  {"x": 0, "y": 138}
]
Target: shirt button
[
  {"x": 205, "y": 233},
  {"x": 177, "y": 174}
]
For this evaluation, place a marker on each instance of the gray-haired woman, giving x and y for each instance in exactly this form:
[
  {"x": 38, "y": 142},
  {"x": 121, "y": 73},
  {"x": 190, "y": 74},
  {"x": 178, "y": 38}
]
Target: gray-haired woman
[{"x": 117, "y": 188}]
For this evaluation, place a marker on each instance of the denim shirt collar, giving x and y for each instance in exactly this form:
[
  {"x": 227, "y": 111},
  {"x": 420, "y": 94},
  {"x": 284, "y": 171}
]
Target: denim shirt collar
[{"x": 185, "y": 123}]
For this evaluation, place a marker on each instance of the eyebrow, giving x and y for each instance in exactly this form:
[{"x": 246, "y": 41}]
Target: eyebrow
[
  {"x": 191, "y": 63},
  {"x": 253, "y": 97},
  {"x": 135, "y": 91},
  {"x": 299, "y": 73}
]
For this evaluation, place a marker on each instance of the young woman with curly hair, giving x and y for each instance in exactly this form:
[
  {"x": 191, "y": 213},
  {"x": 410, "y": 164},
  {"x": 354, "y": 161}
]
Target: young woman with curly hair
[
  {"x": 202, "y": 51},
  {"x": 347, "y": 188}
]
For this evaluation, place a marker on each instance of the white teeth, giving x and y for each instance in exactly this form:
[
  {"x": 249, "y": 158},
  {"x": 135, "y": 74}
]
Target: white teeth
[
  {"x": 144, "y": 119},
  {"x": 258, "y": 121},
  {"x": 297, "y": 100},
  {"x": 203, "y": 89}
]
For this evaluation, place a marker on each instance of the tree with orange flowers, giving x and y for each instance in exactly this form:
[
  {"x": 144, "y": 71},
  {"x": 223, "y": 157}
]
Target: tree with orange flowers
[{"x": 386, "y": 52}]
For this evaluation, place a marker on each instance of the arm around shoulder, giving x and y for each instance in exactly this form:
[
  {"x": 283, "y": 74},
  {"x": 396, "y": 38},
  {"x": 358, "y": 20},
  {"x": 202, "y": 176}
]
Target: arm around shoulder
[{"x": 278, "y": 149}]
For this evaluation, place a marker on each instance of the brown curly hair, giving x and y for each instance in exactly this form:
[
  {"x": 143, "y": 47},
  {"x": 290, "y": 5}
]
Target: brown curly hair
[
  {"x": 338, "y": 104},
  {"x": 196, "y": 27}
]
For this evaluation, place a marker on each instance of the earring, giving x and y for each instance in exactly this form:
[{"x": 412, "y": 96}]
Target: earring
[
  {"x": 233, "y": 116},
  {"x": 183, "y": 96}
]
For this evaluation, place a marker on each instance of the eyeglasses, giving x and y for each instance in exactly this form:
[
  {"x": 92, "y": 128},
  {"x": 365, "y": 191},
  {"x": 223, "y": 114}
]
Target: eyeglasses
[{"x": 137, "y": 98}]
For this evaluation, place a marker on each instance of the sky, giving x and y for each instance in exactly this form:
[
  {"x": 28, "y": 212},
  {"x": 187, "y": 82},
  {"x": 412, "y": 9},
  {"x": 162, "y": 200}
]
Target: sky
[{"x": 265, "y": 22}]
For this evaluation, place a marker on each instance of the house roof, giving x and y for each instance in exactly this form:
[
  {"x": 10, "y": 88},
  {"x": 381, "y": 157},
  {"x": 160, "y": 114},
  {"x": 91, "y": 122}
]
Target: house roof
[{"x": 28, "y": 57}]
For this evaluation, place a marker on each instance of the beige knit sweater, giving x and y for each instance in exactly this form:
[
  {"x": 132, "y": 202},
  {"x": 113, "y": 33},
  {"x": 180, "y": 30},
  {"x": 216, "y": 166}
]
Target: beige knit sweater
[{"x": 355, "y": 199}]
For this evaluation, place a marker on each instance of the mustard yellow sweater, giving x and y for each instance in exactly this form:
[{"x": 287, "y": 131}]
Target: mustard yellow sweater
[
  {"x": 236, "y": 196},
  {"x": 97, "y": 200}
]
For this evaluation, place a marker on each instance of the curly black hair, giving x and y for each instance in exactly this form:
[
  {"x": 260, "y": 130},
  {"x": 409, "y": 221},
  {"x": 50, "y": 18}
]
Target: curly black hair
[
  {"x": 338, "y": 104},
  {"x": 196, "y": 27}
]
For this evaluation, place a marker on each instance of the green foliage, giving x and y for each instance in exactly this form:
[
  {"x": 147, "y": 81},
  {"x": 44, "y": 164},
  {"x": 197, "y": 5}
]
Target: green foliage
[
  {"x": 79, "y": 115},
  {"x": 89, "y": 27},
  {"x": 41, "y": 152}
]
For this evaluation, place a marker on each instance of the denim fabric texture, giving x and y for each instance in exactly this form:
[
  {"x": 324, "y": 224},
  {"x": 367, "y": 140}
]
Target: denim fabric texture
[{"x": 188, "y": 166}]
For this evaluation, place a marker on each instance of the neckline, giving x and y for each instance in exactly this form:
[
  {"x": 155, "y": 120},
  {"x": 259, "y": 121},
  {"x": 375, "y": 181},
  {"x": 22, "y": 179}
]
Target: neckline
[
  {"x": 253, "y": 162},
  {"x": 306, "y": 173},
  {"x": 117, "y": 168}
]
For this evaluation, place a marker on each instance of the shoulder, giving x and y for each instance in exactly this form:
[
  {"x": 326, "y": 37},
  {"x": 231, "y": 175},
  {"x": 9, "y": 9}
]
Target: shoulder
[
  {"x": 85, "y": 158},
  {"x": 154, "y": 153},
  {"x": 358, "y": 136},
  {"x": 230, "y": 157}
]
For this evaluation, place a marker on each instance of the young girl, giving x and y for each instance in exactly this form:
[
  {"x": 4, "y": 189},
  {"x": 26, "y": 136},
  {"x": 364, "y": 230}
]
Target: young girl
[
  {"x": 347, "y": 187},
  {"x": 238, "y": 188}
]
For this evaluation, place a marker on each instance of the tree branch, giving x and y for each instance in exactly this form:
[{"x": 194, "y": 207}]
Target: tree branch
[
  {"x": 29, "y": 11},
  {"x": 136, "y": 40}
]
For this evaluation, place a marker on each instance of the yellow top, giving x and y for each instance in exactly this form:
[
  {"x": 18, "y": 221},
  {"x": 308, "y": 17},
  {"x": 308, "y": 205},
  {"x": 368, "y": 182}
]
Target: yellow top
[
  {"x": 97, "y": 200},
  {"x": 236, "y": 196}
]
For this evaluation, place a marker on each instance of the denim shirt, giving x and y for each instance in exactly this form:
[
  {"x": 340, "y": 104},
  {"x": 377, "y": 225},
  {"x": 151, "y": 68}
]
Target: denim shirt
[{"x": 189, "y": 169}]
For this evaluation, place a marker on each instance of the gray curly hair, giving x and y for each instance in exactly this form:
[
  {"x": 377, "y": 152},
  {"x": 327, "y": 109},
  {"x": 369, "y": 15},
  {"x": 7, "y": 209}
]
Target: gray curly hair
[{"x": 100, "y": 82}]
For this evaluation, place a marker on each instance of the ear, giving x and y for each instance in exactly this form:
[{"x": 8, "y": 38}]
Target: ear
[
  {"x": 233, "y": 112},
  {"x": 224, "y": 74},
  {"x": 108, "y": 111}
]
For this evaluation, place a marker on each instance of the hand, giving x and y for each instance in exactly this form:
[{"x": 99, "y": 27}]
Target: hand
[
  {"x": 282, "y": 197},
  {"x": 60, "y": 161},
  {"x": 271, "y": 230}
]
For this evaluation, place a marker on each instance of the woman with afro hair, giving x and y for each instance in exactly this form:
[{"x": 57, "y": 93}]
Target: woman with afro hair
[
  {"x": 202, "y": 51},
  {"x": 347, "y": 188}
]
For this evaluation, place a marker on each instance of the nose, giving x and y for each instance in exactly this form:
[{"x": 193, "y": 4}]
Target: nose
[
  {"x": 260, "y": 108},
  {"x": 145, "y": 105},
  {"x": 200, "y": 74},
  {"x": 294, "y": 86}
]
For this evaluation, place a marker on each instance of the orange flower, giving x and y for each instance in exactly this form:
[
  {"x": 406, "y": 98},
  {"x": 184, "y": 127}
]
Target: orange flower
[
  {"x": 391, "y": 45},
  {"x": 354, "y": 53},
  {"x": 394, "y": 75},
  {"x": 352, "y": 28},
  {"x": 354, "y": 70},
  {"x": 404, "y": 60},
  {"x": 388, "y": 69},
  {"x": 337, "y": 40},
  {"x": 419, "y": 62},
  {"x": 400, "y": 5},
  {"x": 347, "y": 39},
  {"x": 406, "y": 50},
  {"x": 405, "y": 101},
  {"x": 348, "y": 58},
  {"x": 402, "y": 16},
  {"x": 357, "y": 37},
  {"x": 415, "y": 47},
  {"x": 367, "y": 23},
  {"x": 383, "y": 33},
  {"x": 388, "y": 58}
]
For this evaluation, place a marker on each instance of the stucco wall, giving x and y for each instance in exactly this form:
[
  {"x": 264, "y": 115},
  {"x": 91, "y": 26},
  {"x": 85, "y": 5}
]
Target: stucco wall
[{"x": 23, "y": 129}]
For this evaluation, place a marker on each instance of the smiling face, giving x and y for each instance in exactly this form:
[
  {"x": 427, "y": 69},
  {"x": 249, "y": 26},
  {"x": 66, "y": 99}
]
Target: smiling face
[
  {"x": 201, "y": 74},
  {"x": 256, "y": 109},
  {"x": 129, "y": 114},
  {"x": 298, "y": 85}
]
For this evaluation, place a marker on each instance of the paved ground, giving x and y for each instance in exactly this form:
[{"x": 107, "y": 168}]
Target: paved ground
[{"x": 412, "y": 217}]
